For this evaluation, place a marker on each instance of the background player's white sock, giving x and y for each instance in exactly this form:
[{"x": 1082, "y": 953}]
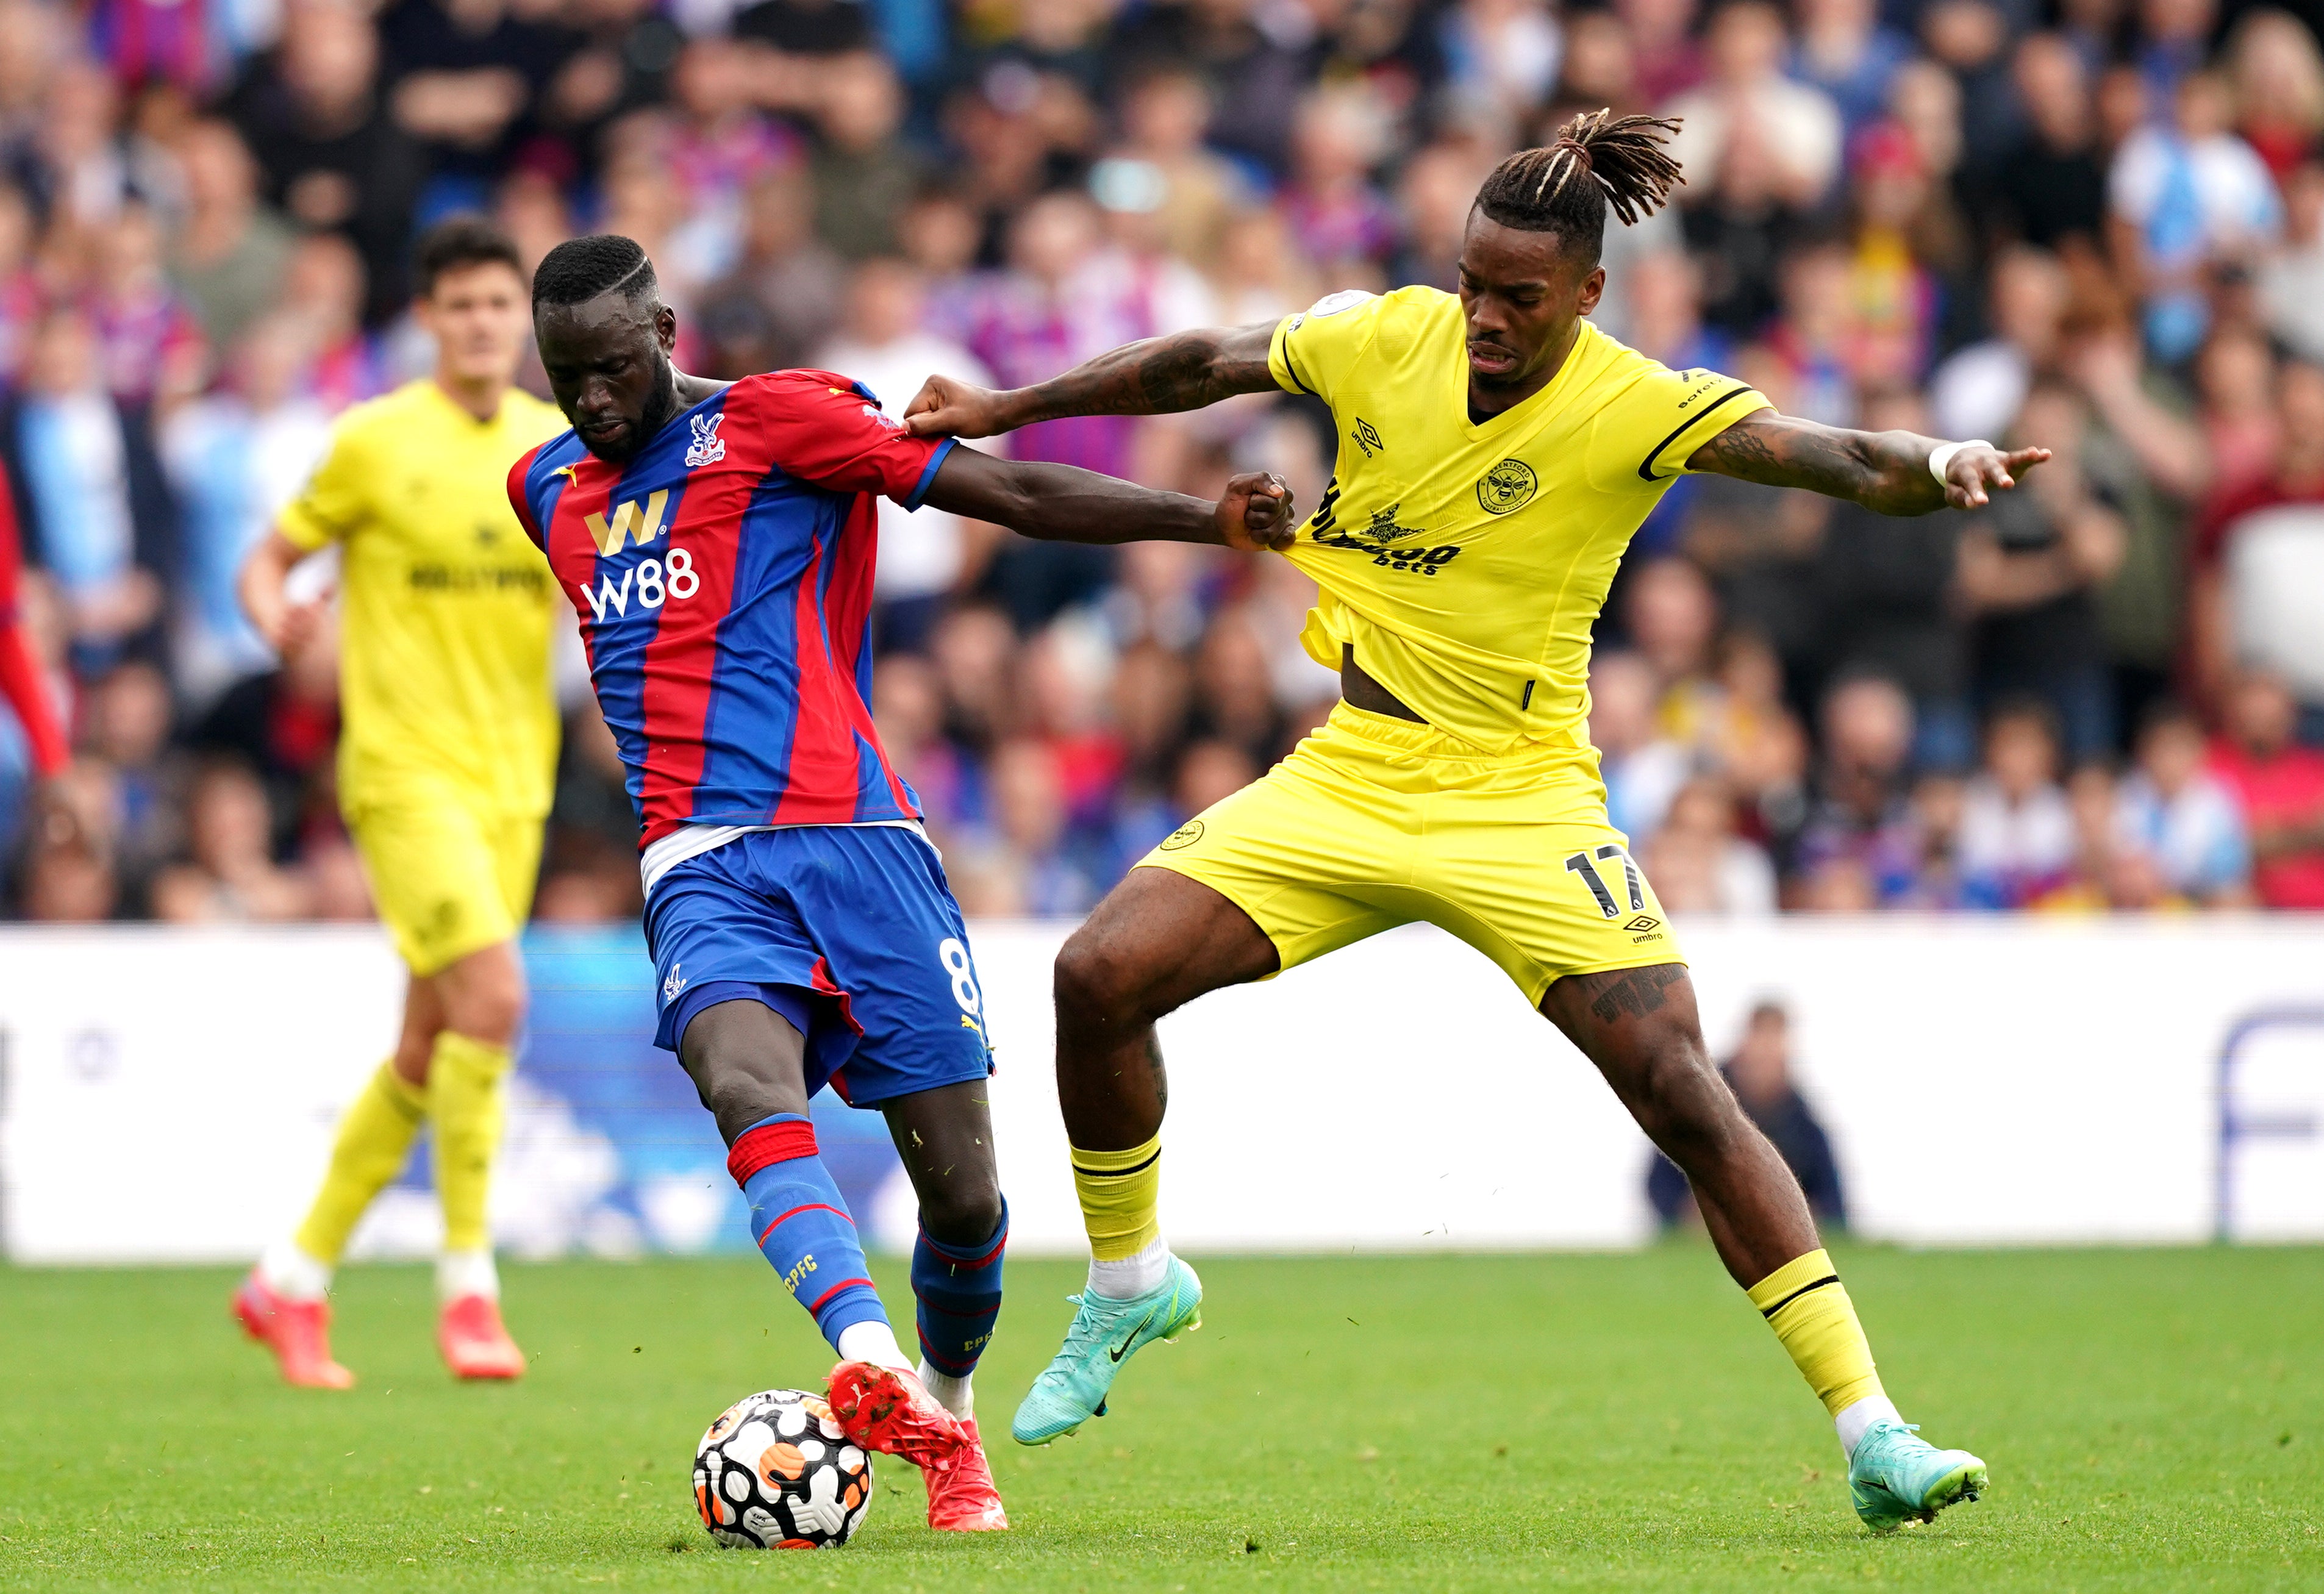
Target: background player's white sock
[
  {"x": 1133, "y": 1275},
  {"x": 1853, "y": 1422},
  {"x": 293, "y": 1274},
  {"x": 874, "y": 1342},
  {"x": 466, "y": 1273},
  {"x": 953, "y": 1394}
]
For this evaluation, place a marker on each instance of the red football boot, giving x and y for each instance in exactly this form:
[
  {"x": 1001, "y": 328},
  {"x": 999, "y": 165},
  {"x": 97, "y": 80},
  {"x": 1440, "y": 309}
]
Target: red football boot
[
  {"x": 963, "y": 1498},
  {"x": 888, "y": 1410},
  {"x": 297, "y": 1332},
  {"x": 473, "y": 1343}
]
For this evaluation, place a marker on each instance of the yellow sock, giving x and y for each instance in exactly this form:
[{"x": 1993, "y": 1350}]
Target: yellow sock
[
  {"x": 375, "y": 1138},
  {"x": 1808, "y": 1308},
  {"x": 1121, "y": 1198},
  {"x": 467, "y": 1105}
]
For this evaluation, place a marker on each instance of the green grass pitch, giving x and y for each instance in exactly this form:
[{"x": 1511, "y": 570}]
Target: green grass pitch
[{"x": 2153, "y": 1420}]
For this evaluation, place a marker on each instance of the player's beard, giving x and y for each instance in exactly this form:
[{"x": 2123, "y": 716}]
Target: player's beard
[{"x": 661, "y": 404}]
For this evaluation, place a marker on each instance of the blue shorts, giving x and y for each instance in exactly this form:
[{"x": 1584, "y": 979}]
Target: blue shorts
[{"x": 848, "y": 931}]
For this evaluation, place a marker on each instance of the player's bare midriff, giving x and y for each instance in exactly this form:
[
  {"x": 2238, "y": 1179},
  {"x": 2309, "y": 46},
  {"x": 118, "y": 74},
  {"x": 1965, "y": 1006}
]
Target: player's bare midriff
[{"x": 1363, "y": 692}]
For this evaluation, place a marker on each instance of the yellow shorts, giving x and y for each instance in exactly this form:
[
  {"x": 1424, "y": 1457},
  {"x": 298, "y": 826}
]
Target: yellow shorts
[
  {"x": 451, "y": 874},
  {"x": 1375, "y": 822}
]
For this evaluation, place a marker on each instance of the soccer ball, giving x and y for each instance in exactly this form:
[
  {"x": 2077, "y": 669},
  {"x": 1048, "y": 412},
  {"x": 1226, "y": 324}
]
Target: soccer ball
[{"x": 776, "y": 1472}]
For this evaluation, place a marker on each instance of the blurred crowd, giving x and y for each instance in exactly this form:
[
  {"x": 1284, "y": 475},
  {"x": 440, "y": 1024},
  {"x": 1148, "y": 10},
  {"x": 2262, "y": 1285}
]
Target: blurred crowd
[{"x": 2095, "y": 224}]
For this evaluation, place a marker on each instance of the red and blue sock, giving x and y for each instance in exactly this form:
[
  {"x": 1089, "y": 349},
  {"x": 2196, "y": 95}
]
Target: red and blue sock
[
  {"x": 801, "y": 1223},
  {"x": 958, "y": 1288}
]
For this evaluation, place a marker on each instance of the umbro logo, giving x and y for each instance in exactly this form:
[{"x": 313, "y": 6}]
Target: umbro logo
[
  {"x": 1643, "y": 923},
  {"x": 1368, "y": 438},
  {"x": 707, "y": 447}
]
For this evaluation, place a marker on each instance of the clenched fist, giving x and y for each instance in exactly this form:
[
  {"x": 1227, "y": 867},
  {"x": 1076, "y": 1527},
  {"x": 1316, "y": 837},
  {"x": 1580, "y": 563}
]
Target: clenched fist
[
  {"x": 1255, "y": 513},
  {"x": 945, "y": 407}
]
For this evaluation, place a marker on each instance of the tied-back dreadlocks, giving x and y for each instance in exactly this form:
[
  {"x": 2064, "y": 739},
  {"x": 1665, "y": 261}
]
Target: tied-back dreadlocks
[{"x": 1599, "y": 160}]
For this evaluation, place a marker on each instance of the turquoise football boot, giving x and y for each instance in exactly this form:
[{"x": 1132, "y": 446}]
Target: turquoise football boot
[
  {"x": 1895, "y": 1476},
  {"x": 1104, "y": 1334}
]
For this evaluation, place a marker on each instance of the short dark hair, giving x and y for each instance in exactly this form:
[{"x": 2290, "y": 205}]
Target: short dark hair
[
  {"x": 458, "y": 241},
  {"x": 580, "y": 269},
  {"x": 1598, "y": 160}
]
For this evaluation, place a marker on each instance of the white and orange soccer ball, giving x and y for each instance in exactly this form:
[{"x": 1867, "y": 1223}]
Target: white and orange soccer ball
[{"x": 776, "y": 1472}]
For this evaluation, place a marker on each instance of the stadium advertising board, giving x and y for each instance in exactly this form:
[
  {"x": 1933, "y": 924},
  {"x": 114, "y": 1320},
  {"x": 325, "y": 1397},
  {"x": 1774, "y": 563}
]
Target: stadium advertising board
[{"x": 2117, "y": 1081}]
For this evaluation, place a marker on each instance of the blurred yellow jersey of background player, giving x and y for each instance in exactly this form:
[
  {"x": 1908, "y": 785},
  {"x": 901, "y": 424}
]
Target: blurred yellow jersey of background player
[
  {"x": 447, "y": 606},
  {"x": 1466, "y": 561}
]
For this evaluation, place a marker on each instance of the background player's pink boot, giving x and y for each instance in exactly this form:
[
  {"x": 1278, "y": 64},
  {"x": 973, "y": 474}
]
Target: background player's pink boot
[
  {"x": 297, "y": 1332},
  {"x": 888, "y": 1410},
  {"x": 474, "y": 1343},
  {"x": 963, "y": 1498}
]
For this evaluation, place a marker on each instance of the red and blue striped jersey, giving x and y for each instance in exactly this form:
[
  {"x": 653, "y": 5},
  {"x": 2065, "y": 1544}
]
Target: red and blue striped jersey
[{"x": 723, "y": 579}]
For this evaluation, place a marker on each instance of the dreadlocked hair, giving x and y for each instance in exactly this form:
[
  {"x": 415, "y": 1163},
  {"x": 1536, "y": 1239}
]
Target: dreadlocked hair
[{"x": 1599, "y": 160}]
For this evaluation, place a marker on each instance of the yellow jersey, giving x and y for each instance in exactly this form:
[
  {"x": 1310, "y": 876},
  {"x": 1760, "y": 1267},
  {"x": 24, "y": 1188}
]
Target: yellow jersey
[
  {"x": 447, "y": 607},
  {"x": 1466, "y": 562}
]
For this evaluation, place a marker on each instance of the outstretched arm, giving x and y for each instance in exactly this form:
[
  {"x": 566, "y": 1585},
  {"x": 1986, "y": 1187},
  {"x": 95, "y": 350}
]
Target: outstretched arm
[
  {"x": 1062, "y": 504},
  {"x": 1882, "y": 471},
  {"x": 1156, "y": 376}
]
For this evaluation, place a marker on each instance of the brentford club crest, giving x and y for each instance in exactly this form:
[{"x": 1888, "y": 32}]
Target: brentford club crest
[{"x": 707, "y": 447}]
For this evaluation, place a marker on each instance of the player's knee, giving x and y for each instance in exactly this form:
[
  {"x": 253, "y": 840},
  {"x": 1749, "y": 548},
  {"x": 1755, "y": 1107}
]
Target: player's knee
[
  {"x": 964, "y": 1211},
  {"x": 746, "y": 1065},
  {"x": 483, "y": 996},
  {"x": 1093, "y": 984}
]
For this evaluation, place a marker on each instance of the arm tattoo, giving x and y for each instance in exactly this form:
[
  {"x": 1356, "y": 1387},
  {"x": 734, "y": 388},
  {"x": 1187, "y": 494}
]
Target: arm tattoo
[
  {"x": 1160, "y": 376},
  {"x": 1633, "y": 992},
  {"x": 1882, "y": 471}
]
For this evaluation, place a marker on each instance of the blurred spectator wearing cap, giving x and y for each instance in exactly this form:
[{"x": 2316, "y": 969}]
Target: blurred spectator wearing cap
[
  {"x": 1760, "y": 1075},
  {"x": 2280, "y": 785},
  {"x": 2186, "y": 194},
  {"x": 1890, "y": 289},
  {"x": 924, "y": 553}
]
